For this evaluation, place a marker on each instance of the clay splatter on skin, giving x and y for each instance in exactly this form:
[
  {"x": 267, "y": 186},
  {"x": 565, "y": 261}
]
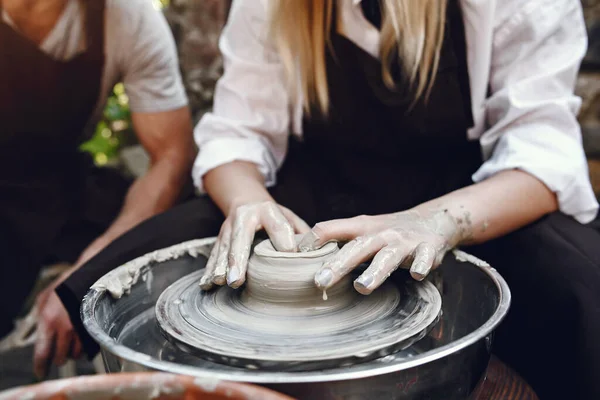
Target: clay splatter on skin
[
  {"x": 464, "y": 225},
  {"x": 485, "y": 226}
]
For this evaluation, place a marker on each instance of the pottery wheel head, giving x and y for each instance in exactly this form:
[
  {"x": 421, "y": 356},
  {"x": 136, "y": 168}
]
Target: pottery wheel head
[{"x": 281, "y": 321}]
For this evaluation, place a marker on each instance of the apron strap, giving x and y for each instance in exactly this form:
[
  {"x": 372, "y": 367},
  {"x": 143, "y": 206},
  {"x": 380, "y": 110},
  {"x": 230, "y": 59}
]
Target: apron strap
[{"x": 94, "y": 26}]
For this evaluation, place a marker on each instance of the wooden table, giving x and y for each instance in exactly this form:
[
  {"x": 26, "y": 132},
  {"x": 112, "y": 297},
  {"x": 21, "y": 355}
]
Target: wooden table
[{"x": 502, "y": 383}]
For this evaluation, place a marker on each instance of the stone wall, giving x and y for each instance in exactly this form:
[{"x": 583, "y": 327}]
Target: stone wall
[
  {"x": 196, "y": 25},
  {"x": 588, "y": 87}
]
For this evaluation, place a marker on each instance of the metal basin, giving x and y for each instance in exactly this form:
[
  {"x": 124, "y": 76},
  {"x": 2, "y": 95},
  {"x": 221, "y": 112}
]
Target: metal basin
[{"x": 447, "y": 364}]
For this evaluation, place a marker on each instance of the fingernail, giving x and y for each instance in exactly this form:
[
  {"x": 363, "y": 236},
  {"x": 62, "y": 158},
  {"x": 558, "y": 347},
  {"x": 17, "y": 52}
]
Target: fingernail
[
  {"x": 220, "y": 273},
  {"x": 420, "y": 271},
  {"x": 364, "y": 283},
  {"x": 205, "y": 283},
  {"x": 233, "y": 276},
  {"x": 219, "y": 279},
  {"x": 324, "y": 278},
  {"x": 308, "y": 242}
]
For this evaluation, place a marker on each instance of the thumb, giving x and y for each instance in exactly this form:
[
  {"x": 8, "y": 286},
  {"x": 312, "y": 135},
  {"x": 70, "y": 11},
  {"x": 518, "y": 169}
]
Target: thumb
[{"x": 334, "y": 230}]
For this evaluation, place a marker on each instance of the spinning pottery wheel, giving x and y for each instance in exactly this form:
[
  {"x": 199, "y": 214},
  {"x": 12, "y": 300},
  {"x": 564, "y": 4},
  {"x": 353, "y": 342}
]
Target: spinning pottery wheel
[
  {"x": 282, "y": 322},
  {"x": 445, "y": 359}
]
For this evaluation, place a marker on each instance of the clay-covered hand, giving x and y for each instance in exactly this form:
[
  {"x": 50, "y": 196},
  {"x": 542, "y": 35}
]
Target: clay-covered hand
[
  {"x": 56, "y": 339},
  {"x": 228, "y": 259},
  {"x": 405, "y": 239}
]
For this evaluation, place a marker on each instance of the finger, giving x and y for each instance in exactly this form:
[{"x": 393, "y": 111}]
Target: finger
[
  {"x": 76, "y": 347},
  {"x": 298, "y": 223},
  {"x": 222, "y": 262},
  {"x": 384, "y": 263},
  {"x": 63, "y": 346},
  {"x": 278, "y": 228},
  {"x": 424, "y": 258},
  {"x": 340, "y": 229},
  {"x": 42, "y": 298},
  {"x": 42, "y": 350},
  {"x": 242, "y": 235},
  {"x": 209, "y": 269},
  {"x": 349, "y": 257}
]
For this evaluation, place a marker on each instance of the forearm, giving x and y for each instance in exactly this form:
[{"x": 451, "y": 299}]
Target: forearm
[
  {"x": 494, "y": 207},
  {"x": 234, "y": 184},
  {"x": 151, "y": 194},
  {"x": 167, "y": 137}
]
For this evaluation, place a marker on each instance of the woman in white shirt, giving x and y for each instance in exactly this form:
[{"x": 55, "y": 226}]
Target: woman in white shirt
[{"x": 417, "y": 127}]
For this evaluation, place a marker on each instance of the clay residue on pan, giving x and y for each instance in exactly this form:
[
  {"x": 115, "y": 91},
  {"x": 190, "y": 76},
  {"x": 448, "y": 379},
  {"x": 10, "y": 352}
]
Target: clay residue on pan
[
  {"x": 207, "y": 384},
  {"x": 84, "y": 388},
  {"x": 120, "y": 280},
  {"x": 466, "y": 257}
]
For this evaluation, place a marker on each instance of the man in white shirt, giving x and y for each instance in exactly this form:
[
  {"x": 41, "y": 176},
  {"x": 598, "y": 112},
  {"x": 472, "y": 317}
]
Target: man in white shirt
[{"x": 60, "y": 59}]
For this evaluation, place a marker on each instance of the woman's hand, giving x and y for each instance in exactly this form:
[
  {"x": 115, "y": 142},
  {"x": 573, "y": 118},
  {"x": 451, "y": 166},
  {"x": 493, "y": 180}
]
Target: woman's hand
[
  {"x": 405, "y": 239},
  {"x": 228, "y": 259}
]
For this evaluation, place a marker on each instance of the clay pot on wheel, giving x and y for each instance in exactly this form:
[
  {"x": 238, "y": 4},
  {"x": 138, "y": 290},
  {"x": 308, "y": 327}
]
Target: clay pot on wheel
[{"x": 141, "y": 386}]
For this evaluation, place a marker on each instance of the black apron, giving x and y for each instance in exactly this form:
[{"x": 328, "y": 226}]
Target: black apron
[
  {"x": 45, "y": 105},
  {"x": 373, "y": 153}
]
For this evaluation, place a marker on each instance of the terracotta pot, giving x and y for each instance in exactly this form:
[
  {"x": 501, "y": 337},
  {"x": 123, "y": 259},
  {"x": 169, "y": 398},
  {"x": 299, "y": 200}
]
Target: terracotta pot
[{"x": 141, "y": 386}]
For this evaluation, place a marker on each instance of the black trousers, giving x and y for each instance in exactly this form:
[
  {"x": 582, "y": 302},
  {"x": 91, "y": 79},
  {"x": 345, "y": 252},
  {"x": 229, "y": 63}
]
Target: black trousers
[
  {"x": 99, "y": 198},
  {"x": 551, "y": 335}
]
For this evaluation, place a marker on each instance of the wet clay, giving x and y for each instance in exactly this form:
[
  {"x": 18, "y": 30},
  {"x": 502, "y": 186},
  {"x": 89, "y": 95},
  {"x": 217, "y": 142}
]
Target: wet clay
[
  {"x": 120, "y": 280},
  {"x": 280, "y": 282},
  {"x": 280, "y": 320},
  {"x": 462, "y": 256}
]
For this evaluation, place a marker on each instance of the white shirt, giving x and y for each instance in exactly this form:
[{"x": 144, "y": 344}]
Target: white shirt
[
  {"x": 523, "y": 58},
  {"x": 140, "y": 52}
]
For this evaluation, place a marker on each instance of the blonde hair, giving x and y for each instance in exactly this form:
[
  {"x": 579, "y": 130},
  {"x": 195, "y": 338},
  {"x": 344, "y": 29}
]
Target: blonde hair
[{"x": 412, "y": 31}]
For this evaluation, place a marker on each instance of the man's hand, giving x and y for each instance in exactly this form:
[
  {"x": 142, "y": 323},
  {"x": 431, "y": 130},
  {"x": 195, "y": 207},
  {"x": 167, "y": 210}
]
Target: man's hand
[{"x": 56, "y": 340}]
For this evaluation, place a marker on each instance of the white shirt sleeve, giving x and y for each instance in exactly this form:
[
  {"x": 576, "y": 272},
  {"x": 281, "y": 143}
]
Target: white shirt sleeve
[
  {"x": 250, "y": 120},
  {"x": 532, "y": 108}
]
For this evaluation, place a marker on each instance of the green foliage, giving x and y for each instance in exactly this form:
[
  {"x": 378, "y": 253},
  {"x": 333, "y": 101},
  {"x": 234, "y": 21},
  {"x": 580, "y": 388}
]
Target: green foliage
[
  {"x": 112, "y": 130},
  {"x": 161, "y": 3}
]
